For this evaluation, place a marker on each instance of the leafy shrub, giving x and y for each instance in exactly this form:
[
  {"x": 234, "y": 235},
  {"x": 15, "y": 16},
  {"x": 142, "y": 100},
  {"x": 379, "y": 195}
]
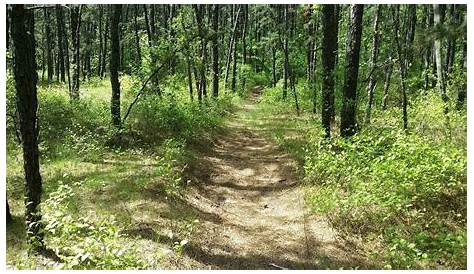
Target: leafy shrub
[
  {"x": 83, "y": 243},
  {"x": 405, "y": 187}
]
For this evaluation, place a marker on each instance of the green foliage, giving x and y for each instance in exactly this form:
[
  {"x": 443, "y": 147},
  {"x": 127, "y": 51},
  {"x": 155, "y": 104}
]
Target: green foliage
[
  {"x": 405, "y": 187},
  {"x": 84, "y": 243},
  {"x": 402, "y": 193}
]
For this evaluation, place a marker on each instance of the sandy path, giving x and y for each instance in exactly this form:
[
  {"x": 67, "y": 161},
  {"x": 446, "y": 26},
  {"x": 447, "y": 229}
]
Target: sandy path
[{"x": 251, "y": 208}]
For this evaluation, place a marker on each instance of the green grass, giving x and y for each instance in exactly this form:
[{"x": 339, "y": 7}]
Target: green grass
[
  {"x": 400, "y": 197},
  {"x": 123, "y": 188}
]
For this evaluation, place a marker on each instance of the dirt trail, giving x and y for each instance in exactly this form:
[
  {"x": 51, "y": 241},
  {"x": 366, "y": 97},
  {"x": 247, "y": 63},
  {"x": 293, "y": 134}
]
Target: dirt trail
[{"x": 251, "y": 209}]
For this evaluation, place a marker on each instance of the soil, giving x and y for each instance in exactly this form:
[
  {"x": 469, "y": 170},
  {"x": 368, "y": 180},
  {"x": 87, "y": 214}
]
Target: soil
[{"x": 251, "y": 208}]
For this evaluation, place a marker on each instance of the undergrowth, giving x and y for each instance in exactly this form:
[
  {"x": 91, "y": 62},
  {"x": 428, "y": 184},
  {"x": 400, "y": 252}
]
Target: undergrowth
[{"x": 400, "y": 195}]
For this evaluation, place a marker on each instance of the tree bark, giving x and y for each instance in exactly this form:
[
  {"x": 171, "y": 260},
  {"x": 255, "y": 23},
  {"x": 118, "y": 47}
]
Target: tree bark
[
  {"x": 9, "y": 215},
  {"x": 61, "y": 53},
  {"x": 137, "y": 38},
  {"x": 328, "y": 57},
  {"x": 101, "y": 45},
  {"x": 438, "y": 55},
  {"x": 388, "y": 75},
  {"x": 349, "y": 91},
  {"x": 373, "y": 64},
  {"x": 401, "y": 62},
  {"x": 76, "y": 12},
  {"x": 114, "y": 64},
  {"x": 215, "y": 53},
  {"x": 49, "y": 47},
  {"x": 285, "y": 52},
  {"x": 27, "y": 104},
  {"x": 231, "y": 44},
  {"x": 462, "y": 92}
]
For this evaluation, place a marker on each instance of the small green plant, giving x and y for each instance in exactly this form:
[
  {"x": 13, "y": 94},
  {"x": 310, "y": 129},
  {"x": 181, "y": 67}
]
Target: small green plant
[{"x": 84, "y": 243}]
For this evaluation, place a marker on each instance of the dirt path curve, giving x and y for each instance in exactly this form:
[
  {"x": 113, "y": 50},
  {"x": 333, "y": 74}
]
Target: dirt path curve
[{"x": 251, "y": 209}]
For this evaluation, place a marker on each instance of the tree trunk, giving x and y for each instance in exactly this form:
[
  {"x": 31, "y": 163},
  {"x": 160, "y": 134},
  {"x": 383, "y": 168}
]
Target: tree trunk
[
  {"x": 438, "y": 55},
  {"x": 373, "y": 64},
  {"x": 105, "y": 48},
  {"x": 202, "y": 66},
  {"x": 61, "y": 53},
  {"x": 49, "y": 48},
  {"x": 328, "y": 59},
  {"x": 285, "y": 53},
  {"x": 401, "y": 63},
  {"x": 76, "y": 12},
  {"x": 27, "y": 104},
  {"x": 9, "y": 215},
  {"x": 114, "y": 64},
  {"x": 349, "y": 91},
  {"x": 215, "y": 53},
  {"x": 101, "y": 45},
  {"x": 231, "y": 45},
  {"x": 274, "y": 77},
  {"x": 388, "y": 75},
  {"x": 462, "y": 91},
  {"x": 148, "y": 30},
  {"x": 137, "y": 38},
  {"x": 244, "y": 42},
  {"x": 451, "y": 45}
]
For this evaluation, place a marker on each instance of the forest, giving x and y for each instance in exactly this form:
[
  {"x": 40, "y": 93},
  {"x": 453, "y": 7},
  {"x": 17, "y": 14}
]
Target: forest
[{"x": 244, "y": 136}]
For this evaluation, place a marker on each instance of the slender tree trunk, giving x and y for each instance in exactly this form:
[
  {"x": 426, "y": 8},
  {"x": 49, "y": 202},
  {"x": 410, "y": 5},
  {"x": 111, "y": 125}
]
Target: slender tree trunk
[
  {"x": 49, "y": 48},
  {"x": 349, "y": 91},
  {"x": 373, "y": 64},
  {"x": 439, "y": 65},
  {"x": 101, "y": 45},
  {"x": 190, "y": 78},
  {"x": 451, "y": 43},
  {"x": 105, "y": 48},
  {"x": 27, "y": 104},
  {"x": 215, "y": 53},
  {"x": 328, "y": 58},
  {"x": 231, "y": 45},
  {"x": 463, "y": 90},
  {"x": 148, "y": 30},
  {"x": 293, "y": 88},
  {"x": 66, "y": 51},
  {"x": 76, "y": 12},
  {"x": 285, "y": 52},
  {"x": 202, "y": 68},
  {"x": 114, "y": 65},
  {"x": 386, "y": 86},
  {"x": 244, "y": 42},
  {"x": 61, "y": 53},
  {"x": 401, "y": 63},
  {"x": 274, "y": 77},
  {"x": 137, "y": 38}
]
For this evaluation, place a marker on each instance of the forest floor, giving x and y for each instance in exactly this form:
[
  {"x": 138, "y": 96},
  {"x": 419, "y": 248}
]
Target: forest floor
[{"x": 251, "y": 206}]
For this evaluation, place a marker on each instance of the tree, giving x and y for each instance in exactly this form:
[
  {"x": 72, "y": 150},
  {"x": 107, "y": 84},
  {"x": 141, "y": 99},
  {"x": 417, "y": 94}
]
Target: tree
[
  {"x": 76, "y": 12},
  {"x": 137, "y": 37},
  {"x": 349, "y": 90},
  {"x": 440, "y": 82},
  {"x": 215, "y": 53},
  {"x": 27, "y": 105},
  {"x": 48, "y": 46},
  {"x": 9, "y": 215},
  {"x": 231, "y": 45},
  {"x": 373, "y": 64},
  {"x": 60, "y": 33},
  {"x": 328, "y": 58},
  {"x": 402, "y": 65},
  {"x": 114, "y": 64},
  {"x": 285, "y": 52}
]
